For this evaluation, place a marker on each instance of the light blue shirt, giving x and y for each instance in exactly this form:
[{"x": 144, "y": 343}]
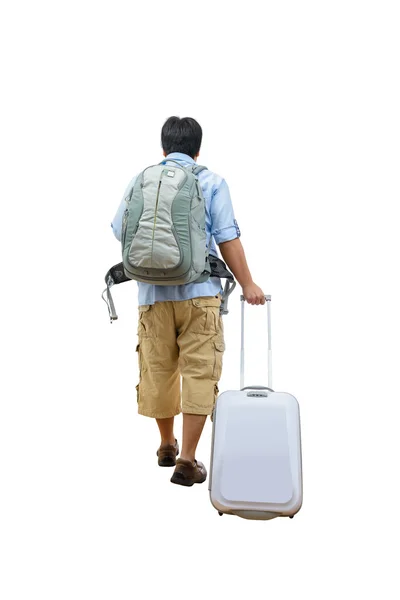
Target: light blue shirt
[{"x": 221, "y": 226}]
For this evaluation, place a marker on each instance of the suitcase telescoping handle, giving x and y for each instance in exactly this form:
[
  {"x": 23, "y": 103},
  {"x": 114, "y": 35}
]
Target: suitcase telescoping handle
[{"x": 268, "y": 302}]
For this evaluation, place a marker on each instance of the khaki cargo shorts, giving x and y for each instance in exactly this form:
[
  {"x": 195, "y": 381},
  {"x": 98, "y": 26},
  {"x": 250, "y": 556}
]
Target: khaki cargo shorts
[{"x": 179, "y": 339}]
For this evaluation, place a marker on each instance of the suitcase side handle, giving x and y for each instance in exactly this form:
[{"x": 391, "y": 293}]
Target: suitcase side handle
[{"x": 268, "y": 303}]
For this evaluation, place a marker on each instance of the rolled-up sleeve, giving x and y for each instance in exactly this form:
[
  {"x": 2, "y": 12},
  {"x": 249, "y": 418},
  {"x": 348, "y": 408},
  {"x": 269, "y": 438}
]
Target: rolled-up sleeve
[
  {"x": 224, "y": 227},
  {"x": 116, "y": 223}
]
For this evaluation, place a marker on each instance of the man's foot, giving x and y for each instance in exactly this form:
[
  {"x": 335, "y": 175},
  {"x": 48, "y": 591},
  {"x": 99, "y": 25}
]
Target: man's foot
[
  {"x": 167, "y": 454},
  {"x": 187, "y": 473}
]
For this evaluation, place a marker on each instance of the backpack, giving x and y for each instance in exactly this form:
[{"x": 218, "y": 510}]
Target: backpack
[{"x": 163, "y": 235}]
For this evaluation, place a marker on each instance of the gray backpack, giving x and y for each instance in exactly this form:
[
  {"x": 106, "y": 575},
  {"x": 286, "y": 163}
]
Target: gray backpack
[{"x": 163, "y": 230}]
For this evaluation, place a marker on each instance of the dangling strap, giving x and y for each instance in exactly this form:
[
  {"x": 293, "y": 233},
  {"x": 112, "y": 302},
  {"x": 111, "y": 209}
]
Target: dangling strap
[
  {"x": 229, "y": 287},
  {"x": 219, "y": 269},
  {"x": 109, "y": 301}
]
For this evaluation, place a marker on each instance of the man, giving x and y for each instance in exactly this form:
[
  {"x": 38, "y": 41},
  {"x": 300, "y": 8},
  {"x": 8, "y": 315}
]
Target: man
[{"x": 180, "y": 329}]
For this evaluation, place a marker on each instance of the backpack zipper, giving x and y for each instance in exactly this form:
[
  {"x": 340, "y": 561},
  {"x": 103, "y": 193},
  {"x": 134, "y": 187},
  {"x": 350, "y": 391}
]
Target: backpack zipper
[
  {"x": 155, "y": 219},
  {"x": 124, "y": 223}
]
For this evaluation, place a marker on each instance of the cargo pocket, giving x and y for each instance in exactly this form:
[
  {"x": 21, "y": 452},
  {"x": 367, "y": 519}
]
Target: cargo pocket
[
  {"x": 207, "y": 301},
  {"x": 145, "y": 324},
  {"x": 219, "y": 348},
  {"x": 205, "y": 314}
]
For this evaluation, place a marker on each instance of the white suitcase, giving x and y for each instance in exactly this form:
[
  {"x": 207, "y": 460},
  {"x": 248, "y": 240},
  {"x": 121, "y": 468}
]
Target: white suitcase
[{"x": 255, "y": 469}]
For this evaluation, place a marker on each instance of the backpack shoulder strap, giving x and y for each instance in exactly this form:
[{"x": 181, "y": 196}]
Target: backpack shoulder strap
[
  {"x": 164, "y": 162},
  {"x": 198, "y": 169}
]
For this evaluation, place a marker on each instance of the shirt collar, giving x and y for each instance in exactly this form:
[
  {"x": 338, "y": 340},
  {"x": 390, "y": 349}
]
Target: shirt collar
[{"x": 180, "y": 156}]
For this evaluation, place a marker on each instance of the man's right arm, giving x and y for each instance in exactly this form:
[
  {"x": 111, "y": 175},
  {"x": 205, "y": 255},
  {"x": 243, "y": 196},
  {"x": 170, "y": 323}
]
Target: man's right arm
[
  {"x": 234, "y": 256},
  {"x": 226, "y": 233}
]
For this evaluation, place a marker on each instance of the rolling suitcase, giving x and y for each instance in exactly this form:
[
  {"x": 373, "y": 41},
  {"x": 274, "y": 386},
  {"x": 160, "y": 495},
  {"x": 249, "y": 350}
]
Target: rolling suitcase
[{"x": 256, "y": 470}]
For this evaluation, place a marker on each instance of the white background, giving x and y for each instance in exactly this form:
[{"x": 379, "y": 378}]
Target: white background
[{"x": 299, "y": 105}]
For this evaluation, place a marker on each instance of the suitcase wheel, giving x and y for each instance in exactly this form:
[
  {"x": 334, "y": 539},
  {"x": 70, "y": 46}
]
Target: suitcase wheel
[
  {"x": 291, "y": 516},
  {"x": 220, "y": 513}
]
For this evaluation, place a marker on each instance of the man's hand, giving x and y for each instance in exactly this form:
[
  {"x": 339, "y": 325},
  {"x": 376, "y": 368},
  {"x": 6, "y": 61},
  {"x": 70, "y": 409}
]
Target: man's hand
[{"x": 253, "y": 294}]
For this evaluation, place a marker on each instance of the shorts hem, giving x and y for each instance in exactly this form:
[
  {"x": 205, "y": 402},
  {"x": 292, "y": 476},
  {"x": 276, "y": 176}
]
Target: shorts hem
[
  {"x": 157, "y": 415},
  {"x": 204, "y": 413}
]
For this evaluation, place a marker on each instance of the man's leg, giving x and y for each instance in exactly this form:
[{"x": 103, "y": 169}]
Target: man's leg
[
  {"x": 192, "y": 429},
  {"x": 159, "y": 387},
  {"x": 169, "y": 448},
  {"x": 166, "y": 427},
  {"x": 201, "y": 345}
]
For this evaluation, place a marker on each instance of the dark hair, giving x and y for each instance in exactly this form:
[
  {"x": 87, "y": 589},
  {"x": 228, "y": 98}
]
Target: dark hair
[{"x": 181, "y": 135}]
